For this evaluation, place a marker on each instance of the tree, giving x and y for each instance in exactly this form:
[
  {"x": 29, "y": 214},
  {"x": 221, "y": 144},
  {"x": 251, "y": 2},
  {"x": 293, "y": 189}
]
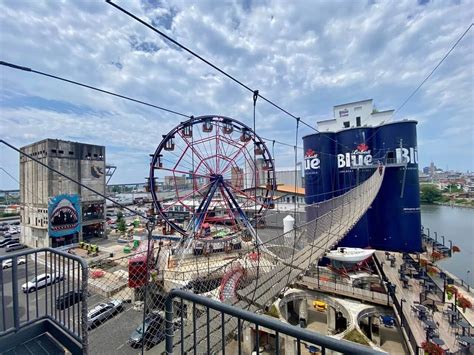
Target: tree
[
  {"x": 430, "y": 194},
  {"x": 121, "y": 226},
  {"x": 119, "y": 216}
]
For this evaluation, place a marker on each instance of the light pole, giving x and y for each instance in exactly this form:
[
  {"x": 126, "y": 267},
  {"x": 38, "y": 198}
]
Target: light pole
[
  {"x": 436, "y": 237},
  {"x": 468, "y": 272},
  {"x": 443, "y": 239},
  {"x": 401, "y": 311},
  {"x": 428, "y": 232}
]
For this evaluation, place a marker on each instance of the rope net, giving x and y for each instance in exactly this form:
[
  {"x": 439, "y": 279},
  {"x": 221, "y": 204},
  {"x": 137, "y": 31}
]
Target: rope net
[{"x": 126, "y": 288}]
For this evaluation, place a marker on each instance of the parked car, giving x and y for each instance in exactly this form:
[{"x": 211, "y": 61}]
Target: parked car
[
  {"x": 8, "y": 241},
  {"x": 9, "y": 262},
  {"x": 15, "y": 246},
  {"x": 153, "y": 333},
  {"x": 68, "y": 299},
  {"x": 41, "y": 280},
  {"x": 103, "y": 311}
]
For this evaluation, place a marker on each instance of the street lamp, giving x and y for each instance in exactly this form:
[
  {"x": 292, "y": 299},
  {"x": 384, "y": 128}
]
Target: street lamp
[
  {"x": 450, "y": 247},
  {"x": 443, "y": 238},
  {"x": 428, "y": 231},
  {"x": 436, "y": 237},
  {"x": 401, "y": 311}
]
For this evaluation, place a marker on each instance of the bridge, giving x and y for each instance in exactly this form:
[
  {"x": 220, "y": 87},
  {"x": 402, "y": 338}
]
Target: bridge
[{"x": 336, "y": 217}]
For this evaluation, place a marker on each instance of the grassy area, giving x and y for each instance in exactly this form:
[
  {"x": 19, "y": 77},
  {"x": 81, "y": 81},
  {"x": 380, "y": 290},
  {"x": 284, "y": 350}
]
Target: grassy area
[
  {"x": 355, "y": 336},
  {"x": 2, "y": 214}
]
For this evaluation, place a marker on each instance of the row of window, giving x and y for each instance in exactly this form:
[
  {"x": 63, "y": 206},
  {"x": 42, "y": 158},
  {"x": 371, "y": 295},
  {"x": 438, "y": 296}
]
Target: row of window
[
  {"x": 347, "y": 124},
  {"x": 87, "y": 156},
  {"x": 39, "y": 221},
  {"x": 54, "y": 151}
]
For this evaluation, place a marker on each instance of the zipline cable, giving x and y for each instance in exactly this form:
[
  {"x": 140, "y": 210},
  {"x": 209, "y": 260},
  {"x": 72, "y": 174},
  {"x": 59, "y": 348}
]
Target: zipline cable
[
  {"x": 70, "y": 81},
  {"x": 136, "y": 18},
  {"x": 73, "y": 180}
]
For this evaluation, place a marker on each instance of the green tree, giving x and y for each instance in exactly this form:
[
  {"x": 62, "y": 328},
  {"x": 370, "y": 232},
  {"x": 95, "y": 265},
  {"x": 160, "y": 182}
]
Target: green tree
[
  {"x": 119, "y": 216},
  {"x": 121, "y": 226},
  {"x": 430, "y": 194},
  {"x": 452, "y": 188}
]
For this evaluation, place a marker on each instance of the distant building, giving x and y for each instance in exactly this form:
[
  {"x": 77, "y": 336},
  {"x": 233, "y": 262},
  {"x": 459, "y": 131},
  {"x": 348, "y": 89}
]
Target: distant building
[
  {"x": 355, "y": 114},
  {"x": 175, "y": 180},
  {"x": 56, "y": 211},
  {"x": 237, "y": 177},
  {"x": 288, "y": 177}
]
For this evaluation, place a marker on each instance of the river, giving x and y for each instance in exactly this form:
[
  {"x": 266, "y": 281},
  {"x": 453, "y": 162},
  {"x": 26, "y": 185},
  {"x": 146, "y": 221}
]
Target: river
[{"x": 456, "y": 224}]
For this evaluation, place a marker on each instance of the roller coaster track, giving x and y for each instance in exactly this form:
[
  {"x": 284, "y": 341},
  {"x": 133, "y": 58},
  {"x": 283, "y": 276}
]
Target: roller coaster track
[{"x": 336, "y": 217}]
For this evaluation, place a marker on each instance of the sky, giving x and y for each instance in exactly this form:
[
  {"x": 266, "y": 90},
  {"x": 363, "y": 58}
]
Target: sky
[{"x": 306, "y": 56}]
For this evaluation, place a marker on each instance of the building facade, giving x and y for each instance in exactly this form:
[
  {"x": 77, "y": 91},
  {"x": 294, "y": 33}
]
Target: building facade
[
  {"x": 54, "y": 210},
  {"x": 355, "y": 114},
  {"x": 337, "y": 161}
]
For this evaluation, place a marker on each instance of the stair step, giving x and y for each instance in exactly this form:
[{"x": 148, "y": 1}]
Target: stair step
[{"x": 43, "y": 344}]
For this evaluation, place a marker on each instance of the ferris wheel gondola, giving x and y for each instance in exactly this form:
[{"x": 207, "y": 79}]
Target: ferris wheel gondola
[{"x": 217, "y": 172}]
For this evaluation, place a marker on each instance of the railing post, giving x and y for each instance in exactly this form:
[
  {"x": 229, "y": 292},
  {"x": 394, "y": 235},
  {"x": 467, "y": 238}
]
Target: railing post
[
  {"x": 16, "y": 313},
  {"x": 169, "y": 324},
  {"x": 84, "y": 286}
]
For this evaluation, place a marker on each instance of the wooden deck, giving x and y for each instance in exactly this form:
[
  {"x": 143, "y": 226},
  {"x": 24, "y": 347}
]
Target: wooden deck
[
  {"x": 411, "y": 295},
  {"x": 345, "y": 290}
]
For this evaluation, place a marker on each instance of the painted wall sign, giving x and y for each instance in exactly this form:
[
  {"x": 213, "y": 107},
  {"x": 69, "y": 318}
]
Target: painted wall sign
[{"x": 64, "y": 213}]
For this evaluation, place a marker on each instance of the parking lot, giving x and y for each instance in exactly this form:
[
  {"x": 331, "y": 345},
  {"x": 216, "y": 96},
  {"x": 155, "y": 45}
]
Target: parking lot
[{"x": 109, "y": 337}]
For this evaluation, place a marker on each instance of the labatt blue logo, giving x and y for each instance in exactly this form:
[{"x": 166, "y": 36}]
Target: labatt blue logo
[
  {"x": 359, "y": 157},
  {"x": 311, "y": 160},
  {"x": 407, "y": 155}
]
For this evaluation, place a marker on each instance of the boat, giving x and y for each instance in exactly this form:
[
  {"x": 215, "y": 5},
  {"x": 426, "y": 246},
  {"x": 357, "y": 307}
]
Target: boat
[{"x": 350, "y": 255}]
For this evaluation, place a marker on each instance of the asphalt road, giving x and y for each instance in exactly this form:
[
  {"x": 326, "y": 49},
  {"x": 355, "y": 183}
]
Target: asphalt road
[{"x": 111, "y": 336}]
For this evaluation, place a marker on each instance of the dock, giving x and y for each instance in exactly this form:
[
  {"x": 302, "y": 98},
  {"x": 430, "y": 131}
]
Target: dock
[{"x": 419, "y": 306}]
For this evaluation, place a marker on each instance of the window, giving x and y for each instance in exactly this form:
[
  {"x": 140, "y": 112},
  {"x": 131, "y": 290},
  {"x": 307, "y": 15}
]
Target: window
[
  {"x": 95, "y": 155},
  {"x": 358, "y": 121},
  {"x": 61, "y": 152},
  {"x": 53, "y": 151},
  {"x": 347, "y": 124},
  {"x": 71, "y": 153}
]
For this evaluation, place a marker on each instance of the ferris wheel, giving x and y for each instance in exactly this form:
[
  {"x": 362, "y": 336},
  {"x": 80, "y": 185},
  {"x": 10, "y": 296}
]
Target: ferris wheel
[{"x": 214, "y": 173}]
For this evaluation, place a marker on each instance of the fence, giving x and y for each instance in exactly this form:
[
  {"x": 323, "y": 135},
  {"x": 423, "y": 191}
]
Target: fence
[
  {"x": 44, "y": 284},
  {"x": 223, "y": 313}
]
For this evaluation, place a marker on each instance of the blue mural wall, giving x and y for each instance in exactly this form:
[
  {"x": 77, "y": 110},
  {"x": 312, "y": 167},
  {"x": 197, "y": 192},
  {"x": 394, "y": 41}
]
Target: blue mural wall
[{"x": 64, "y": 215}]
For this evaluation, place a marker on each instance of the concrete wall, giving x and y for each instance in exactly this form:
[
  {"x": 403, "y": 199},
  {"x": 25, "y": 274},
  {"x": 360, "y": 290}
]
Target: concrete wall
[{"x": 82, "y": 162}]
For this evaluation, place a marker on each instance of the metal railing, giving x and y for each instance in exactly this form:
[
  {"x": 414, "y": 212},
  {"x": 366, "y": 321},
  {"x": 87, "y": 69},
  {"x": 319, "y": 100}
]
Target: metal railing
[
  {"x": 44, "y": 284},
  {"x": 225, "y": 313},
  {"x": 402, "y": 323}
]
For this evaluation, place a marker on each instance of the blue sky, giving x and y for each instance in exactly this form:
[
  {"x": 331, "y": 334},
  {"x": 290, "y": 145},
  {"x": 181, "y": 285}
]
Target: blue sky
[{"x": 305, "y": 55}]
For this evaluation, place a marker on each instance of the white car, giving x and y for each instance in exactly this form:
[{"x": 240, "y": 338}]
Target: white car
[
  {"x": 103, "y": 311},
  {"x": 8, "y": 263},
  {"x": 41, "y": 281}
]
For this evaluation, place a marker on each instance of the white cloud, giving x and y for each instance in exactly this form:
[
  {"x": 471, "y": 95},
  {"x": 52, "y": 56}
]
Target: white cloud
[{"x": 305, "y": 56}]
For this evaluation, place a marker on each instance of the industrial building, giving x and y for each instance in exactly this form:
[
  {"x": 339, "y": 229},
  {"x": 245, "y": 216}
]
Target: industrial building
[
  {"x": 54, "y": 210},
  {"x": 355, "y": 142}
]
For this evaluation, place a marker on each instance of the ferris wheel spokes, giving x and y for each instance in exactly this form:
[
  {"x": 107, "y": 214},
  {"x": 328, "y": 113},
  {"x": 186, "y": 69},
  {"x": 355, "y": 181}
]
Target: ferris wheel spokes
[{"x": 223, "y": 162}]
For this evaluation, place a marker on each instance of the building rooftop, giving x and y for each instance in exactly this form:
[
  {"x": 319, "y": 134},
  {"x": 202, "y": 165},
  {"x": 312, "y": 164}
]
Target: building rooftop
[{"x": 354, "y": 102}]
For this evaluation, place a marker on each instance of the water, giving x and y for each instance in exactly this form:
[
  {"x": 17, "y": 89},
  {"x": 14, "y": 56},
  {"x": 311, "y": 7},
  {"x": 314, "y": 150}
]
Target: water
[{"x": 456, "y": 224}]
